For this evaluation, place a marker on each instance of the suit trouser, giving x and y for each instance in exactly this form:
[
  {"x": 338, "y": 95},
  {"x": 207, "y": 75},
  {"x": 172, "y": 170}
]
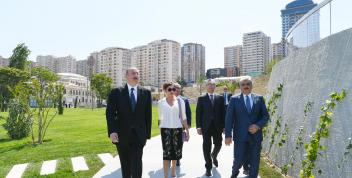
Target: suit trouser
[
  {"x": 241, "y": 151},
  {"x": 131, "y": 158},
  {"x": 212, "y": 132}
]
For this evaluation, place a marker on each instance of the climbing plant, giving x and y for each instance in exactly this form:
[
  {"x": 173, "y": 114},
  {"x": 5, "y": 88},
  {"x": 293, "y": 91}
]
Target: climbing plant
[
  {"x": 272, "y": 107},
  {"x": 322, "y": 131},
  {"x": 299, "y": 141}
]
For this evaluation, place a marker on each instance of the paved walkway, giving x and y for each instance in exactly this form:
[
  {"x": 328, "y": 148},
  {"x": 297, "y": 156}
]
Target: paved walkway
[{"x": 192, "y": 163}]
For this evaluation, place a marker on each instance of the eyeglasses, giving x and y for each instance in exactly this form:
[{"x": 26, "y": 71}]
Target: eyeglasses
[
  {"x": 171, "y": 89},
  {"x": 246, "y": 84}
]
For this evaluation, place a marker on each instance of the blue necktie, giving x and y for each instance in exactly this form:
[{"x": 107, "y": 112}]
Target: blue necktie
[
  {"x": 248, "y": 104},
  {"x": 133, "y": 100}
]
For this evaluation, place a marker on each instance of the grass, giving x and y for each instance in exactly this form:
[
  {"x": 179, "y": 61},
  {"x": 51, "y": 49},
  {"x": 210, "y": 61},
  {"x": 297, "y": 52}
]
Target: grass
[{"x": 79, "y": 132}]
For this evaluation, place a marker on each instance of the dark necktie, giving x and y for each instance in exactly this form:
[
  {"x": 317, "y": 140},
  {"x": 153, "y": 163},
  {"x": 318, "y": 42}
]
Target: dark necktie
[
  {"x": 212, "y": 99},
  {"x": 133, "y": 100},
  {"x": 248, "y": 104},
  {"x": 225, "y": 98}
]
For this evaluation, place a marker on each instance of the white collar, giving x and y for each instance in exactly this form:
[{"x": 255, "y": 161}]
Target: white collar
[
  {"x": 129, "y": 87},
  {"x": 250, "y": 95},
  {"x": 209, "y": 94}
]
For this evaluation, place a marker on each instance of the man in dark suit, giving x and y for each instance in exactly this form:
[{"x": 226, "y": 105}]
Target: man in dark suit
[
  {"x": 129, "y": 120},
  {"x": 188, "y": 109},
  {"x": 210, "y": 120},
  {"x": 227, "y": 96},
  {"x": 246, "y": 116}
]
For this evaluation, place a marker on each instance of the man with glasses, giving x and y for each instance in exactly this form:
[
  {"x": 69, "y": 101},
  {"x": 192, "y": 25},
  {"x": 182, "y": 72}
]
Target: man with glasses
[
  {"x": 245, "y": 117},
  {"x": 188, "y": 109},
  {"x": 210, "y": 118}
]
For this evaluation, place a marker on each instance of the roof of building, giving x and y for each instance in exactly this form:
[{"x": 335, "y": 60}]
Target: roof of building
[
  {"x": 298, "y": 3},
  {"x": 71, "y": 75}
]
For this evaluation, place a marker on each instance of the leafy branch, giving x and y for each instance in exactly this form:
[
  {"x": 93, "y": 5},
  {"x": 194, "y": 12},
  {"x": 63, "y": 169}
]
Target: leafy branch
[{"x": 322, "y": 131}]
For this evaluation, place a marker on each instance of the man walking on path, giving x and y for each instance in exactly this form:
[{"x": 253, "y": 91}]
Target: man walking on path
[
  {"x": 129, "y": 121},
  {"x": 188, "y": 109},
  {"x": 210, "y": 117},
  {"x": 245, "y": 118}
]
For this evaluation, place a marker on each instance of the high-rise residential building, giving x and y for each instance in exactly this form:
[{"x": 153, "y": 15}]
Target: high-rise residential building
[
  {"x": 47, "y": 61},
  {"x": 92, "y": 64},
  {"x": 4, "y": 62},
  {"x": 82, "y": 68},
  {"x": 114, "y": 62},
  {"x": 192, "y": 62},
  {"x": 159, "y": 62},
  {"x": 141, "y": 60},
  {"x": 232, "y": 56},
  {"x": 294, "y": 11},
  {"x": 166, "y": 57},
  {"x": 277, "y": 51},
  {"x": 65, "y": 64},
  {"x": 256, "y": 53}
]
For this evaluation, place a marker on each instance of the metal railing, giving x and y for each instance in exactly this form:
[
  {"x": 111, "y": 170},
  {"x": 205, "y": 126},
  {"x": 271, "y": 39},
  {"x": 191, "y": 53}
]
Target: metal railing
[{"x": 328, "y": 17}]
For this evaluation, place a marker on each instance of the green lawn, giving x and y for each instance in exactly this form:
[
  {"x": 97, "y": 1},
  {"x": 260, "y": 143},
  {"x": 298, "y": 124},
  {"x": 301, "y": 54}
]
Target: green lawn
[{"x": 79, "y": 132}]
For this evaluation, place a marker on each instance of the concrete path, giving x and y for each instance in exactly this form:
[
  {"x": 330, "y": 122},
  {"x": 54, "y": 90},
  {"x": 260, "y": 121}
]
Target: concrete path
[
  {"x": 48, "y": 167},
  {"x": 79, "y": 164},
  {"x": 192, "y": 163},
  {"x": 17, "y": 171}
]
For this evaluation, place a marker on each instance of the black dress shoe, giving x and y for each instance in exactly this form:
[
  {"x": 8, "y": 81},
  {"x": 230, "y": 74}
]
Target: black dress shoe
[
  {"x": 208, "y": 173},
  {"x": 246, "y": 172},
  {"x": 215, "y": 161},
  {"x": 232, "y": 176},
  {"x": 178, "y": 163}
]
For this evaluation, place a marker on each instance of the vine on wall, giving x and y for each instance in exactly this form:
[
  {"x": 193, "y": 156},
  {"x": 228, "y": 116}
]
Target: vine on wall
[{"x": 322, "y": 131}]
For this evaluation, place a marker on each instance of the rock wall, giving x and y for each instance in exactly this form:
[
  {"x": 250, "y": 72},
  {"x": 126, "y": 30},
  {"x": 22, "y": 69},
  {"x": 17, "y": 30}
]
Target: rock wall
[{"x": 310, "y": 75}]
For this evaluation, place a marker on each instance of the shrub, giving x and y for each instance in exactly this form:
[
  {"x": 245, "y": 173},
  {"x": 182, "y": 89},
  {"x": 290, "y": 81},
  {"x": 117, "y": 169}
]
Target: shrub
[{"x": 18, "y": 123}]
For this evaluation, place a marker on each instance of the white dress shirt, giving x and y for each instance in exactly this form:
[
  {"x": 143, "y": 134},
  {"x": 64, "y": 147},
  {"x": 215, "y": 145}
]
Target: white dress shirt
[
  {"x": 250, "y": 99},
  {"x": 209, "y": 94},
  {"x": 225, "y": 98},
  {"x": 134, "y": 91},
  {"x": 169, "y": 116}
]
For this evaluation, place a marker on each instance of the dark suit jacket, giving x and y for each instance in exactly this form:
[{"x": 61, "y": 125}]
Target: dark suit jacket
[
  {"x": 188, "y": 111},
  {"x": 238, "y": 119},
  {"x": 121, "y": 119},
  {"x": 205, "y": 112}
]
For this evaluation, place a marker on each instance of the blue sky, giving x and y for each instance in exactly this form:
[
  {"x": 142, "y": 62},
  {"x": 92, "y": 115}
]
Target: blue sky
[{"x": 79, "y": 27}]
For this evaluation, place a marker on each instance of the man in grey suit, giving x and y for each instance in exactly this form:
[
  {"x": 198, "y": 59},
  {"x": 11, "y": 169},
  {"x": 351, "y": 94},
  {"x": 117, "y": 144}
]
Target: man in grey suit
[
  {"x": 245, "y": 117},
  {"x": 188, "y": 109}
]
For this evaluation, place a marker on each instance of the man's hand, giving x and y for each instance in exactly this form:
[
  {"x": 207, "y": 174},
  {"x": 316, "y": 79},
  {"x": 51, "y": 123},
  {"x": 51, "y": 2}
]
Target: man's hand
[
  {"x": 114, "y": 138},
  {"x": 228, "y": 141},
  {"x": 253, "y": 128},
  {"x": 199, "y": 130}
]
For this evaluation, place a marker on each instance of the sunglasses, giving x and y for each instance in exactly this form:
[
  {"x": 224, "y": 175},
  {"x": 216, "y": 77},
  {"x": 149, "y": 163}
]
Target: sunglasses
[
  {"x": 171, "y": 89},
  {"x": 246, "y": 84}
]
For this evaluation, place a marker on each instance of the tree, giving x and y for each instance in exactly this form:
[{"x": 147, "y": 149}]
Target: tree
[
  {"x": 42, "y": 85},
  {"x": 9, "y": 77},
  {"x": 19, "y": 57},
  {"x": 271, "y": 64},
  {"x": 19, "y": 122},
  {"x": 59, "y": 91},
  {"x": 231, "y": 85},
  {"x": 101, "y": 85},
  {"x": 200, "y": 83}
]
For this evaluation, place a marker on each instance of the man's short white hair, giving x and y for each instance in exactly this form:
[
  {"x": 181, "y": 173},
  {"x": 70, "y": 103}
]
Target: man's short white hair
[
  {"x": 131, "y": 68},
  {"x": 210, "y": 81},
  {"x": 245, "y": 78}
]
